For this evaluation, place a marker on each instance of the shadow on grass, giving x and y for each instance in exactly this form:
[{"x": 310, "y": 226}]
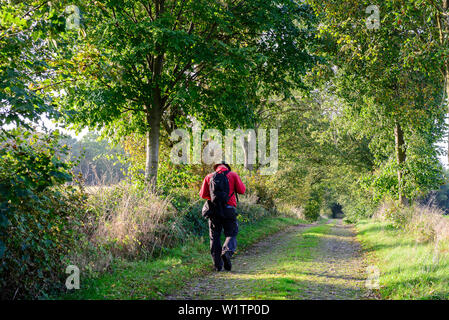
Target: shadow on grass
[
  {"x": 245, "y": 286},
  {"x": 287, "y": 268},
  {"x": 375, "y": 228}
]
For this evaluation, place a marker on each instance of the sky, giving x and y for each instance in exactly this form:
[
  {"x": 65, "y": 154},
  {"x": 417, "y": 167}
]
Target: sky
[
  {"x": 443, "y": 158},
  {"x": 51, "y": 125}
]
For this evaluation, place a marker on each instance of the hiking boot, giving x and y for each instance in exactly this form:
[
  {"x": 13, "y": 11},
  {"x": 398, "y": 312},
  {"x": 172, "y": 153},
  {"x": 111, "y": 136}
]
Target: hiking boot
[
  {"x": 218, "y": 269},
  {"x": 227, "y": 260}
]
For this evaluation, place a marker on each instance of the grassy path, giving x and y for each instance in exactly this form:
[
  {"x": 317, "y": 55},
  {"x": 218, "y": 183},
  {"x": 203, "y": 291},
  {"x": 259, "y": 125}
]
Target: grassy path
[{"x": 303, "y": 262}]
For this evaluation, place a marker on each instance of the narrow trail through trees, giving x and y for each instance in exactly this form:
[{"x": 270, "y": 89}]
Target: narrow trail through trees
[{"x": 316, "y": 261}]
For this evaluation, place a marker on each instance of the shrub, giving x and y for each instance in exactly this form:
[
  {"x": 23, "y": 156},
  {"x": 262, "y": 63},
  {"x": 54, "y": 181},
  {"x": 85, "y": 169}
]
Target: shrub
[
  {"x": 358, "y": 209},
  {"x": 251, "y": 209},
  {"x": 39, "y": 217},
  {"x": 424, "y": 222},
  {"x": 313, "y": 206},
  {"x": 189, "y": 206},
  {"x": 391, "y": 211},
  {"x": 312, "y": 210},
  {"x": 258, "y": 186}
]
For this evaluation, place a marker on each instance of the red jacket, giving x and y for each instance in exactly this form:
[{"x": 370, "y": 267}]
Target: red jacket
[{"x": 235, "y": 185}]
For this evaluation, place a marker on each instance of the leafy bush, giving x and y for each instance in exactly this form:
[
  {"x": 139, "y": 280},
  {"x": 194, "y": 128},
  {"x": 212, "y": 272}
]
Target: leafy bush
[
  {"x": 39, "y": 218},
  {"x": 391, "y": 211},
  {"x": 189, "y": 206},
  {"x": 250, "y": 209},
  {"x": 258, "y": 185},
  {"x": 359, "y": 207},
  {"x": 313, "y": 206},
  {"x": 312, "y": 210}
]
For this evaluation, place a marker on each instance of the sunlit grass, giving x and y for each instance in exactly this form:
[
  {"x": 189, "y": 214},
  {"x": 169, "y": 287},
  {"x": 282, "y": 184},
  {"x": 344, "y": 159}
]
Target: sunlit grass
[
  {"x": 408, "y": 269},
  {"x": 154, "y": 279},
  {"x": 294, "y": 265}
]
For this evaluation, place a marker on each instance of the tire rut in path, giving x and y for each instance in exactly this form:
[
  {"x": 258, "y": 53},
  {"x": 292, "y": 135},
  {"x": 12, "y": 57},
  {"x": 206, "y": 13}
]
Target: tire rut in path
[{"x": 286, "y": 266}]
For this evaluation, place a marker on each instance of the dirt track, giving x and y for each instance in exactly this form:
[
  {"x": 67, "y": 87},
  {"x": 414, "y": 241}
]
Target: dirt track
[{"x": 302, "y": 262}]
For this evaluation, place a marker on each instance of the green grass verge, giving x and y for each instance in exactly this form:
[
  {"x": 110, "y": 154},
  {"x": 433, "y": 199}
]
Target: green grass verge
[
  {"x": 285, "y": 275},
  {"x": 408, "y": 269},
  {"x": 156, "y": 278}
]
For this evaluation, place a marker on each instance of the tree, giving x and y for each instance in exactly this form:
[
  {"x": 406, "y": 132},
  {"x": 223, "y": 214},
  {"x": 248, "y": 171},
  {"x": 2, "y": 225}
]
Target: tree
[
  {"x": 320, "y": 157},
  {"x": 146, "y": 65},
  {"x": 393, "y": 94},
  {"x": 26, "y": 29},
  {"x": 441, "y": 14}
]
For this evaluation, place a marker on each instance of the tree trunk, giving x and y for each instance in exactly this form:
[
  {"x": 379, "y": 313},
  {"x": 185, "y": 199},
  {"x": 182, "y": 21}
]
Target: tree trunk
[
  {"x": 446, "y": 80},
  {"x": 154, "y": 116},
  {"x": 152, "y": 145},
  {"x": 400, "y": 159},
  {"x": 443, "y": 27}
]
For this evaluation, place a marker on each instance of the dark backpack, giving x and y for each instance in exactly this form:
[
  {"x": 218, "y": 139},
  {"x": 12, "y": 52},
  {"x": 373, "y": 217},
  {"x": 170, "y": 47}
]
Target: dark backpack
[{"x": 219, "y": 194}]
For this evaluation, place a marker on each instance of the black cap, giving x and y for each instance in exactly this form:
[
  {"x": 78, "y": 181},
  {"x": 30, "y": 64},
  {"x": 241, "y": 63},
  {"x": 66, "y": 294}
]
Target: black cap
[{"x": 222, "y": 163}]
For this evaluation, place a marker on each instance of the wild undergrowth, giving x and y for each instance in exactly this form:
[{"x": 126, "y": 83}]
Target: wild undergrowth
[{"x": 410, "y": 247}]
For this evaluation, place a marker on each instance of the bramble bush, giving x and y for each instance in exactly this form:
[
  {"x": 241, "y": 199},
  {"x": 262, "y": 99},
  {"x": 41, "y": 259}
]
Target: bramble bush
[{"x": 39, "y": 216}]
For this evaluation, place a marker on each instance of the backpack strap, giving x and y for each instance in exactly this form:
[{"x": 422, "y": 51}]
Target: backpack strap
[{"x": 236, "y": 195}]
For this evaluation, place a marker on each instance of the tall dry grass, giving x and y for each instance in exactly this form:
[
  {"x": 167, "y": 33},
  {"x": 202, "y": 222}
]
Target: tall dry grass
[
  {"x": 134, "y": 222},
  {"x": 296, "y": 212},
  {"x": 251, "y": 209},
  {"x": 131, "y": 222},
  {"x": 426, "y": 223},
  {"x": 429, "y": 224}
]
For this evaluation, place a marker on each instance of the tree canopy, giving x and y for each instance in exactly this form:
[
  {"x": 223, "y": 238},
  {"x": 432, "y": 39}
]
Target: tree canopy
[{"x": 143, "y": 66}]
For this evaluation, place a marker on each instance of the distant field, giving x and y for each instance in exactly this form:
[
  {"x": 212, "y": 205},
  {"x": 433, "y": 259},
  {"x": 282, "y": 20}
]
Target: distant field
[{"x": 95, "y": 189}]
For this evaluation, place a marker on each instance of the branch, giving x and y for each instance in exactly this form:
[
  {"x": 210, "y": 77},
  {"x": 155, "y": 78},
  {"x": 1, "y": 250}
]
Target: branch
[
  {"x": 148, "y": 10},
  {"x": 117, "y": 24},
  {"x": 129, "y": 16},
  {"x": 34, "y": 9},
  {"x": 127, "y": 109},
  {"x": 179, "y": 13},
  {"x": 52, "y": 84}
]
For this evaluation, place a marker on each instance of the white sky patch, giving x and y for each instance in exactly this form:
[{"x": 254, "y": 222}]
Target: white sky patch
[{"x": 51, "y": 125}]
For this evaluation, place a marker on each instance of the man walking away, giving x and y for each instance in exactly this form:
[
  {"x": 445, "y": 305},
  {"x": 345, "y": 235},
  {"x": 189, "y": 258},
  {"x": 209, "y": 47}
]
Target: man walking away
[{"x": 220, "y": 188}]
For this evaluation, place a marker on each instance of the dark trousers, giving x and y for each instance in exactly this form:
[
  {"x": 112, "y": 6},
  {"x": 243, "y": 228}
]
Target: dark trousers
[{"x": 231, "y": 228}]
